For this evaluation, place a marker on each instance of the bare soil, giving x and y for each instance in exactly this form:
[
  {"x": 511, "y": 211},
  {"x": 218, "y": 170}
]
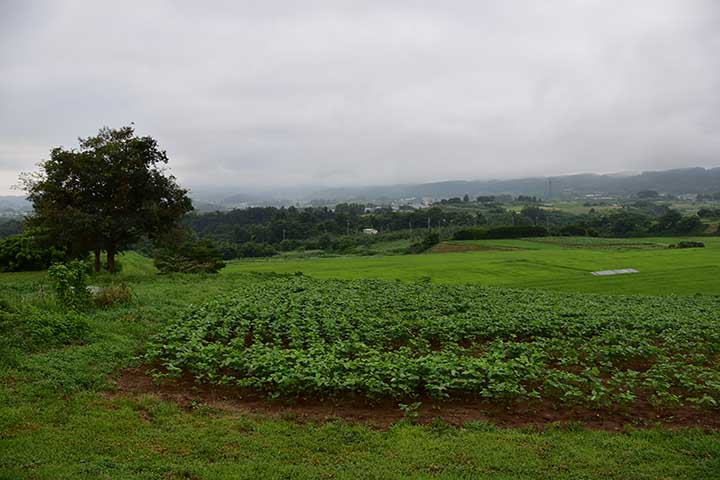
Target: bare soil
[
  {"x": 189, "y": 394},
  {"x": 628, "y": 245},
  {"x": 455, "y": 247}
]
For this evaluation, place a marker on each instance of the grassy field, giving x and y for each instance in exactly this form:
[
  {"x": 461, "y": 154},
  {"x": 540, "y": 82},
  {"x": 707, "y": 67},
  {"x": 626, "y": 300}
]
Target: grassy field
[
  {"x": 63, "y": 417},
  {"x": 552, "y": 263}
]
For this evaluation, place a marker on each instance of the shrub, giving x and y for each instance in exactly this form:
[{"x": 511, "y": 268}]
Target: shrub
[
  {"x": 70, "y": 283},
  {"x": 690, "y": 224},
  {"x": 289, "y": 245},
  {"x": 687, "y": 244},
  {"x": 342, "y": 244},
  {"x": 254, "y": 250},
  {"x": 428, "y": 241},
  {"x": 709, "y": 212},
  {"x": 201, "y": 256},
  {"x": 572, "y": 231},
  {"x": 22, "y": 253}
]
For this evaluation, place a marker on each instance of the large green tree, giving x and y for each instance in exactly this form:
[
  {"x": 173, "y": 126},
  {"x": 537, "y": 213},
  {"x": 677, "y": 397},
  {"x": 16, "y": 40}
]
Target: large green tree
[{"x": 106, "y": 195}]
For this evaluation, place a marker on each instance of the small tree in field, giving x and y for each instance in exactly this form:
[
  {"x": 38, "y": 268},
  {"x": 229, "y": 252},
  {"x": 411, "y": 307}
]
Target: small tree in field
[{"x": 106, "y": 195}]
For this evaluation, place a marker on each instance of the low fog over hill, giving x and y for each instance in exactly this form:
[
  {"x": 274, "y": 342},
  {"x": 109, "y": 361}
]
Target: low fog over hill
[{"x": 675, "y": 182}]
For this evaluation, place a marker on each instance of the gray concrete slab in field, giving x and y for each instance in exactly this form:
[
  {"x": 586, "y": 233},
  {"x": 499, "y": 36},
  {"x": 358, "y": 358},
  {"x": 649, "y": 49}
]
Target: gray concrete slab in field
[{"x": 621, "y": 271}]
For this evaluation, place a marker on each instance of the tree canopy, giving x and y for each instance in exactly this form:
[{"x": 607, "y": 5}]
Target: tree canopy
[{"x": 106, "y": 195}]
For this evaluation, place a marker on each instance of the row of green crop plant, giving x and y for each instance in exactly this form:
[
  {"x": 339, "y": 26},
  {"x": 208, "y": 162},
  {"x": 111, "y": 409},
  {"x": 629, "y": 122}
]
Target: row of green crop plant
[{"x": 294, "y": 336}]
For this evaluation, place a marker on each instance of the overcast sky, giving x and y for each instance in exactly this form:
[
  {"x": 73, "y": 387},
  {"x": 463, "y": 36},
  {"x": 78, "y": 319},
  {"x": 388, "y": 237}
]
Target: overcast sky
[{"x": 335, "y": 93}]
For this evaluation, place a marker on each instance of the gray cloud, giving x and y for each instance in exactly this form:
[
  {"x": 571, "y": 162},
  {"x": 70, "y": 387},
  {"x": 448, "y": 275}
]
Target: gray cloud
[{"x": 334, "y": 93}]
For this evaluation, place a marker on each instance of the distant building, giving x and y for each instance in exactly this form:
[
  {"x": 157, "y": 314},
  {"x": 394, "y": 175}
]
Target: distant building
[
  {"x": 373, "y": 209},
  {"x": 370, "y": 231}
]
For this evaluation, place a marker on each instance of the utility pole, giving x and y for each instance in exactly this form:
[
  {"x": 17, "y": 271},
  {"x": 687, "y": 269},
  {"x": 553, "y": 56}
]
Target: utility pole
[
  {"x": 550, "y": 192},
  {"x": 283, "y": 234}
]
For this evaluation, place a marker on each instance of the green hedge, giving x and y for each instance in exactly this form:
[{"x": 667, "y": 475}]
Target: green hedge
[{"x": 22, "y": 253}]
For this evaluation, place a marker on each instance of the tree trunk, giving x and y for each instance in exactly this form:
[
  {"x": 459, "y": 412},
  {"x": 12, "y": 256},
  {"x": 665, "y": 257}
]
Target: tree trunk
[
  {"x": 111, "y": 259},
  {"x": 97, "y": 260}
]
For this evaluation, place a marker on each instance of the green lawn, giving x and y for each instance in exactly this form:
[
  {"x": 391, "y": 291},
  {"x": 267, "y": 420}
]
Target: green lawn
[
  {"x": 56, "y": 422},
  {"x": 535, "y": 263}
]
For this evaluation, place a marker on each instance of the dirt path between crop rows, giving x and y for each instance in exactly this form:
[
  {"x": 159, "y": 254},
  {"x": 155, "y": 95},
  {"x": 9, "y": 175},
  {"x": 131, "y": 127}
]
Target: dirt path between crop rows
[{"x": 187, "y": 394}]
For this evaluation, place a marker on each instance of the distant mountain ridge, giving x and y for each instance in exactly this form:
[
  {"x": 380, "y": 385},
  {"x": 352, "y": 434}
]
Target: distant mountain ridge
[
  {"x": 16, "y": 203},
  {"x": 676, "y": 182}
]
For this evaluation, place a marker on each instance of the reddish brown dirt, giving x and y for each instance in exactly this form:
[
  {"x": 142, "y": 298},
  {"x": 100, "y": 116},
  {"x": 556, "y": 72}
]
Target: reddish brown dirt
[
  {"x": 636, "y": 246},
  {"x": 455, "y": 248},
  {"x": 187, "y": 394}
]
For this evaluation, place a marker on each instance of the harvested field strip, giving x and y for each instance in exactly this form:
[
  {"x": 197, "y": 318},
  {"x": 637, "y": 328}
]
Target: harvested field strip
[
  {"x": 600, "y": 243},
  {"x": 449, "y": 247}
]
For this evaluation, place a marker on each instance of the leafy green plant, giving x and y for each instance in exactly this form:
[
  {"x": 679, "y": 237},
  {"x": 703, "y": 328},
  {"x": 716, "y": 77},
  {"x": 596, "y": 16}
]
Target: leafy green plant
[
  {"x": 192, "y": 256},
  {"x": 410, "y": 411},
  {"x": 293, "y": 336},
  {"x": 70, "y": 283},
  {"x": 23, "y": 253}
]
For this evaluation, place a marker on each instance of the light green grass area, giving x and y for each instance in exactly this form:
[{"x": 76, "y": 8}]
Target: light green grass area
[
  {"x": 579, "y": 207},
  {"x": 89, "y": 437},
  {"x": 56, "y": 422},
  {"x": 561, "y": 263}
]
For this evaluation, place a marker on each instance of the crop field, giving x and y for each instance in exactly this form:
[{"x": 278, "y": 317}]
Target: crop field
[
  {"x": 562, "y": 263},
  {"x": 471, "y": 381},
  {"x": 302, "y": 337}
]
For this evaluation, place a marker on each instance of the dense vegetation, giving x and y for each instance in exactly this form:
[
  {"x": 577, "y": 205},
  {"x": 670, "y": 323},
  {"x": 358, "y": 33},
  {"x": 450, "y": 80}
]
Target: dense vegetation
[
  {"x": 192, "y": 256},
  {"x": 266, "y": 231},
  {"x": 9, "y": 226},
  {"x": 20, "y": 253},
  {"x": 297, "y": 336}
]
